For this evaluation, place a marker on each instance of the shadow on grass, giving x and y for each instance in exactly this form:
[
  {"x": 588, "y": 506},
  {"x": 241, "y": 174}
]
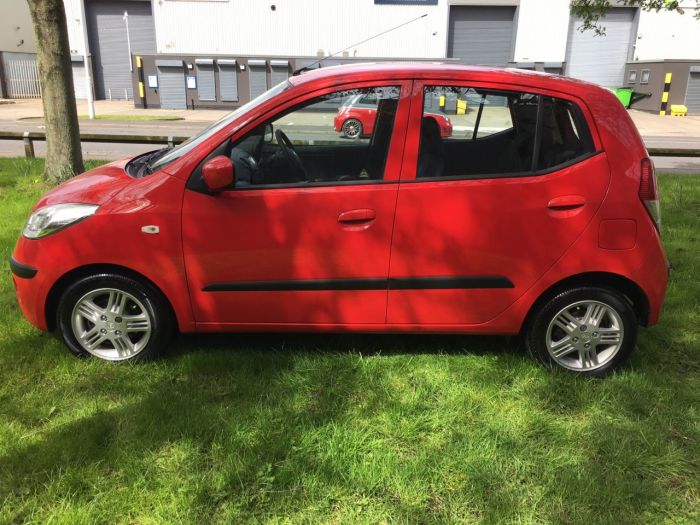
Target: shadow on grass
[
  {"x": 258, "y": 416},
  {"x": 360, "y": 343},
  {"x": 262, "y": 395}
]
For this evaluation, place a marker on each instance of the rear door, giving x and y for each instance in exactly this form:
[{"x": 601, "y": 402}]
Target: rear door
[{"x": 497, "y": 204}]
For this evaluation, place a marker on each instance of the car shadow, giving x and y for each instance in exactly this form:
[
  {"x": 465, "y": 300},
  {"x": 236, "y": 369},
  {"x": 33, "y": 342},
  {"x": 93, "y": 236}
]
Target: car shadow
[{"x": 358, "y": 343}]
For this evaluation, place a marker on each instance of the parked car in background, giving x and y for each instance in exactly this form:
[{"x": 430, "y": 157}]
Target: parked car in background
[
  {"x": 356, "y": 116},
  {"x": 540, "y": 218}
]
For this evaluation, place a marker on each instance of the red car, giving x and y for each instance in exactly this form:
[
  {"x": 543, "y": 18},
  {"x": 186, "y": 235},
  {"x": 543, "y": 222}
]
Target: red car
[
  {"x": 542, "y": 220},
  {"x": 355, "y": 118}
]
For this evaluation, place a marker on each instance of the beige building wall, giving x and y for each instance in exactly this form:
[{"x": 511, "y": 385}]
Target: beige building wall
[{"x": 16, "y": 33}]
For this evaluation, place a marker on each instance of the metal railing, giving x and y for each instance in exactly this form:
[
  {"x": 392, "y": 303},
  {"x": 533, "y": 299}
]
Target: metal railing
[{"x": 29, "y": 137}]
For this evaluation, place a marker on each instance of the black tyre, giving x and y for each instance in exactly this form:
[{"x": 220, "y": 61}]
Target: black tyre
[
  {"x": 115, "y": 318},
  {"x": 585, "y": 330},
  {"x": 352, "y": 128}
]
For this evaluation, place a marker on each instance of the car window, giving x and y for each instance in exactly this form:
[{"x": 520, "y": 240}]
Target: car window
[
  {"x": 217, "y": 126},
  {"x": 565, "y": 135},
  {"x": 462, "y": 106},
  {"x": 473, "y": 132},
  {"x": 330, "y": 139}
]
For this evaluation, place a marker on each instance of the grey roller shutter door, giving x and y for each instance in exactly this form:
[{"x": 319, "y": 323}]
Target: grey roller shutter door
[
  {"x": 79, "y": 79},
  {"x": 481, "y": 35},
  {"x": 228, "y": 82},
  {"x": 280, "y": 71},
  {"x": 171, "y": 84},
  {"x": 258, "y": 80},
  {"x": 206, "y": 86},
  {"x": 602, "y": 59},
  {"x": 692, "y": 94},
  {"x": 109, "y": 46}
]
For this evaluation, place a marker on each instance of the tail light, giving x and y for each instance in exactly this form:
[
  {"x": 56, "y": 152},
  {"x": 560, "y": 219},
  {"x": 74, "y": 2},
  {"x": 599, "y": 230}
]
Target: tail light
[{"x": 649, "y": 191}]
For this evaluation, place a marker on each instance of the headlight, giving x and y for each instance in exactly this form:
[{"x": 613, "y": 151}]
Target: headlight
[{"x": 50, "y": 219}]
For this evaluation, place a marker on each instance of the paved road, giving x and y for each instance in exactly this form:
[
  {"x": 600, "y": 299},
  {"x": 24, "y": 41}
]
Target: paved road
[{"x": 185, "y": 128}]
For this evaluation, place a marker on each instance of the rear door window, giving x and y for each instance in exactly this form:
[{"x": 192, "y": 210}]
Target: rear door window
[{"x": 469, "y": 132}]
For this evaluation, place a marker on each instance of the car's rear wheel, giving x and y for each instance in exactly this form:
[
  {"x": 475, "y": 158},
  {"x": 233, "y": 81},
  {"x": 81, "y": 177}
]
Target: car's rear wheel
[
  {"x": 585, "y": 330},
  {"x": 114, "y": 317},
  {"x": 352, "y": 128}
]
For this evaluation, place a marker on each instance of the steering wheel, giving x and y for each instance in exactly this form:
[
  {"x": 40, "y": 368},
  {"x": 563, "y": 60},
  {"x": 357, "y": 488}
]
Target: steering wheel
[{"x": 290, "y": 153}]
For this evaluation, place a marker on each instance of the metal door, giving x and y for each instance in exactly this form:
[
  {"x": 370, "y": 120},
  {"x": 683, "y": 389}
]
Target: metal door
[
  {"x": 602, "y": 59},
  {"x": 110, "y": 46},
  {"x": 171, "y": 83},
  {"x": 481, "y": 35},
  {"x": 258, "y": 78},
  {"x": 692, "y": 94}
]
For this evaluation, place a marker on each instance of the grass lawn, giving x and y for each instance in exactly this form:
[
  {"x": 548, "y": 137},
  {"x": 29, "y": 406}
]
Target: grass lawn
[
  {"x": 351, "y": 429},
  {"x": 132, "y": 117}
]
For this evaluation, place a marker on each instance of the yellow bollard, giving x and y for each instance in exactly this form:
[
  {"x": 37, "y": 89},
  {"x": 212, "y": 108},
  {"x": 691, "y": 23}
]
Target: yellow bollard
[{"x": 461, "y": 107}]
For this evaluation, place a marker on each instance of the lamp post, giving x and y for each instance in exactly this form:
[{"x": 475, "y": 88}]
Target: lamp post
[
  {"x": 86, "y": 62},
  {"x": 128, "y": 38}
]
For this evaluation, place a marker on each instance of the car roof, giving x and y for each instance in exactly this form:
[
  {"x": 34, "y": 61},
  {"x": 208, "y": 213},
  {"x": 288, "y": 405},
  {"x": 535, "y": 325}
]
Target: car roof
[{"x": 440, "y": 70}]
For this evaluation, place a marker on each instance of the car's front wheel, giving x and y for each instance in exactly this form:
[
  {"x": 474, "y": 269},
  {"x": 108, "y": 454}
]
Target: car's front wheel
[
  {"x": 114, "y": 317},
  {"x": 587, "y": 330},
  {"x": 352, "y": 128}
]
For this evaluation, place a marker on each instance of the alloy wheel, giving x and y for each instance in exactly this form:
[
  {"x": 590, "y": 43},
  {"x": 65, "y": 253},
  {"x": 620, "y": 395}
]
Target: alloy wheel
[
  {"x": 585, "y": 335},
  {"x": 111, "y": 324},
  {"x": 352, "y": 128}
]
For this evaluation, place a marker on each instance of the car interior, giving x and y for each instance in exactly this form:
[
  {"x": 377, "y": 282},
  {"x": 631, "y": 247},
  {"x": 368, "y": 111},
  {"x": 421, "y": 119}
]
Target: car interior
[
  {"x": 507, "y": 150},
  {"x": 277, "y": 154}
]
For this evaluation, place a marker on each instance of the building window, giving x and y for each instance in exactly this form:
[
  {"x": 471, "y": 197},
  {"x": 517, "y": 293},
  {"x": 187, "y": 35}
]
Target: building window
[
  {"x": 228, "y": 80},
  {"x": 645, "y": 76},
  {"x": 632, "y": 78},
  {"x": 257, "y": 76},
  {"x": 205, "y": 79}
]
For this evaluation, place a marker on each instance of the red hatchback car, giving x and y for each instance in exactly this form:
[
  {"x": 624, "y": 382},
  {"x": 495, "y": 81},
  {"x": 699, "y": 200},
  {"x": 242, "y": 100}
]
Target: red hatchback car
[
  {"x": 356, "y": 117},
  {"x": 538, "y": 216}
]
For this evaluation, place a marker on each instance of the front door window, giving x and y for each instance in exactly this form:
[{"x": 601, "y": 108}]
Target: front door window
[{"x": 333, "y": 139}]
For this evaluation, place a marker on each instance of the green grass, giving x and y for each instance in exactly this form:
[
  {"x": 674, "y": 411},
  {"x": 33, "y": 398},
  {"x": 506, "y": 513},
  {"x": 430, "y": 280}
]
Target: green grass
[
  {"x": 351, "y": 429},
  {"x": 136, "y": 117}
]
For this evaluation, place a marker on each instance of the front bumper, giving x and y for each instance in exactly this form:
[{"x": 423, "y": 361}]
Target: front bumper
[
  {"x": 34, "y": 272},
  {"x": 23, "y": 271}
]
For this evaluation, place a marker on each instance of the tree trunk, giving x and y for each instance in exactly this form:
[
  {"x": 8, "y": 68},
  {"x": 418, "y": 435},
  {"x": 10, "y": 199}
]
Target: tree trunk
[{"x": 64, "y": 157}]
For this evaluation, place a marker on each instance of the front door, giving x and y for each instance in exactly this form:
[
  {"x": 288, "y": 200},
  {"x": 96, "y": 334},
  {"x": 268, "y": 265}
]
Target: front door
[
  {"x": 483, "y": 214},
  {"x": 304, "y": 236}
]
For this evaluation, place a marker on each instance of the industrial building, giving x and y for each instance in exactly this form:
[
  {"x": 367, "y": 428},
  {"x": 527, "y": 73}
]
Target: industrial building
[{"x": 221, "y": 53}]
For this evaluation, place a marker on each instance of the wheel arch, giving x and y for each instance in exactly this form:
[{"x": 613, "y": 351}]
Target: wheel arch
[
  {"x": 628, "y": 288},
  {"x": 63, "y": 282}
]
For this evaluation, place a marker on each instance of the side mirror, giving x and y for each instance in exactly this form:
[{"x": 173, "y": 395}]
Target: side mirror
[{"x": 218, "y": 173}]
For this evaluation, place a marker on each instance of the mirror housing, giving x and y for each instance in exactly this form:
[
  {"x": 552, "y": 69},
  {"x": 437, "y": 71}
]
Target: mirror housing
[{"x": 217, "y": 173}]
